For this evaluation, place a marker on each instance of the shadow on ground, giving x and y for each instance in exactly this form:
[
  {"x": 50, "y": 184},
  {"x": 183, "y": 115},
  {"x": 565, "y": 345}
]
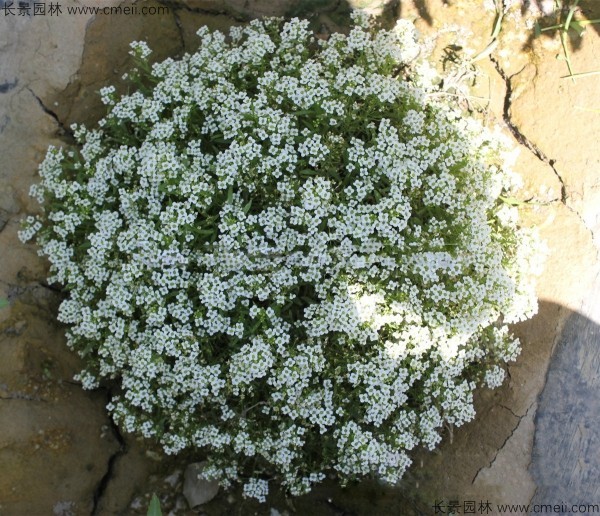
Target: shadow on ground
[{"x": 561, "y": 456}]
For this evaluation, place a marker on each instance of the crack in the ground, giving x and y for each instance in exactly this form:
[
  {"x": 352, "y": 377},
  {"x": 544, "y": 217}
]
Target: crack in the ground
[
  {"x": 4, "y": 219},
  {"x": 589, "y": 229},
  {"x": 519, "y": 136},
  {"x": 179, "y": 30},
  {"x": 32, "y": 294},
  {"x": 21, "y": 397},
  {"x": 533, "y": 497},
  {"x": 585, "y": 225},
  {"x": 176, "y": 6},
  {"x": 529, "y": 145},
  {"x": 511, "y": 411},
  {"x": 63, "y": 129},
  {"x": 528, "y": 467},
  {"x": 53, "y": 288},
  {"x": 558, "y": 329},
  {"x": 100, "y": 490},
  {"x": 519, "y": 419}
]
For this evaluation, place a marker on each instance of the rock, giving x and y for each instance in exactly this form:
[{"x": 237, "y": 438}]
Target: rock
[
  {"x": 196, "y": 490},
  {"x": 52, "y": 448},
  {"x": 207, "y": 6},
  {"x": 23, "y": 141},
  {"x": 105, "y": 59},
  {"x": 566, "y": 456},
  {"x": 8, "y": 203},
  {"x": 42, "y": 51},
  {"x": 245, "y": 8},
  {"x": 557, "y": 115},
  {"x": 249, "y": 9},
  {"x": 6, "y": 86},
  {"x": 13, "y": 257},
  {"x": 128, "y": 478},
  {"x": 190, "y": 22},
  {"x": 513, "y": 460}
]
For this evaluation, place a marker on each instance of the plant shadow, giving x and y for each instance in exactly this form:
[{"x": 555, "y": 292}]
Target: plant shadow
[{"x": 585, "y": 11}]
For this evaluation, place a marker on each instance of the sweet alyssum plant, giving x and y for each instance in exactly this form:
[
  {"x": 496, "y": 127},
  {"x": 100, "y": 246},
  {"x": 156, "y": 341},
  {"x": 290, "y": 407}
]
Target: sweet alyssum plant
[{"x": 288, "y": 253}]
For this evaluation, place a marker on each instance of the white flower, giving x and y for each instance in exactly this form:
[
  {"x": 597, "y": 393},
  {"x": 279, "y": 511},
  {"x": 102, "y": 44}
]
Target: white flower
[
  {"x": 287, "y": 255},
  {"x": 494, "y": 377},
  {"x": 140, "y": 49},
  {"x": 256, "y": 488}
]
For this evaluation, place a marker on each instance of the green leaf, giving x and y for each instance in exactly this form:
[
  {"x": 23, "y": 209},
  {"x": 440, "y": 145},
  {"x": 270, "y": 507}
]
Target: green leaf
[
  {"x": 578, "y": 27},
  {"x": 4, "y": 302},
  {"x": 333, "y": 173},
  {"x": 217, "y": 138},
  {"x": 565, "y": 47},
  {"x": 513, "y": 201},
  {"x": 570, "y": 15},
  {"x": 154, "y": 508},
  {"x": 486, "y": 51},
  {"x": 537, "y": 29},
  {"x": 497, "y": 25},
  {"x": 582, "y": 74}
]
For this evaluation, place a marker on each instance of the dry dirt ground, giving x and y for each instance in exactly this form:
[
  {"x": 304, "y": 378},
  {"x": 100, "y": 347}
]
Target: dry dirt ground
[{"x": 534, "y": 440}]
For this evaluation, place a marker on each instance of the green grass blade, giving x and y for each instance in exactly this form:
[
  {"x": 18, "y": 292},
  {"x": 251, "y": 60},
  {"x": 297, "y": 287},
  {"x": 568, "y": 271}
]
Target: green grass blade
[
  {"x": 497, "y": 25},
  {"x": 486, "y": 51},
  {"x": 580, "y": 29},
  {"x": 513, "y": 201},
  {"x": 582, "y": 74},
  {"x": 583, "y": 23},
  {"x": 570, "y": 15},
  {"x": 565, "y": 45},
  {"x": 551, "y": 27},
  {"x": 154, "y": 508}
]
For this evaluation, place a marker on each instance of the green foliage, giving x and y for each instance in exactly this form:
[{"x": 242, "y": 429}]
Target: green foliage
[
  {"x": 154, "y": 507},
  {"x": 289, "y": 253},
  {"x": 564, "y": 13}
]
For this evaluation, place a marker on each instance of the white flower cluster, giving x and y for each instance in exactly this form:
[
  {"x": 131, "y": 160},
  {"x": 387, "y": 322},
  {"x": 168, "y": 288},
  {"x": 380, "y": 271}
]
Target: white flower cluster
[{"x": 287, "y": 255}]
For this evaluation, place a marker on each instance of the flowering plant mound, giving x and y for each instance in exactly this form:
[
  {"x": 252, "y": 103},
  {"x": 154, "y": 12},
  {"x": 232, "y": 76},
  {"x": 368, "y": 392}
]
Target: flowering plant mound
[{"x": 287, "y": 253}]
